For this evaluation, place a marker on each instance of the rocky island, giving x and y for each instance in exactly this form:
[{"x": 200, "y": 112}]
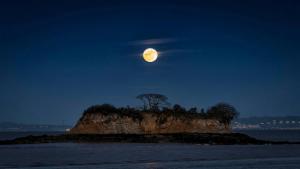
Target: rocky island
[
  {"x": 153, "y": 123},
  {"x": 106, "y": 119},
  {"x": 155, "y": 117}
]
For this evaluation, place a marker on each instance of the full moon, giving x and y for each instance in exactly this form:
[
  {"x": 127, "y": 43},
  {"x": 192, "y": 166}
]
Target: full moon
[{"x": 150, "y": 55}]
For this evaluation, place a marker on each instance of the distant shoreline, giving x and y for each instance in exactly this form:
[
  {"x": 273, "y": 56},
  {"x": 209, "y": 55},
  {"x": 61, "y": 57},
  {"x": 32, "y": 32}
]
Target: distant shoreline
[{"x": 188, "y": 138}]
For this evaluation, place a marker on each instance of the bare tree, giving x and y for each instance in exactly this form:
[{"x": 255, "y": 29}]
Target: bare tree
[{"x": 153, "y": 101}]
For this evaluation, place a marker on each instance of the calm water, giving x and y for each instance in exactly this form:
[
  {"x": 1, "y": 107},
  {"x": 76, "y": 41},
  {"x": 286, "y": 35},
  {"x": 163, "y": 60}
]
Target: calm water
[
  {"x": 151, "y": 156},
  {"x": 276, "y": 135}
]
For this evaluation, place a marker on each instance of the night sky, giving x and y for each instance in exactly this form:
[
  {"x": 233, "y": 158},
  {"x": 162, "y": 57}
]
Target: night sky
[{"x": 59, "y": 57}]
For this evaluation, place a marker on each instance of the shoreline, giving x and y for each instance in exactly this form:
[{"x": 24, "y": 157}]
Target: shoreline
[{"x": 186, "y": 138}]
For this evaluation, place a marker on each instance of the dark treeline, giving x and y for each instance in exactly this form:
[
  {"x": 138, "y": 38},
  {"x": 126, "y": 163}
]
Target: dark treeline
[{"x": 157, "y": 105}]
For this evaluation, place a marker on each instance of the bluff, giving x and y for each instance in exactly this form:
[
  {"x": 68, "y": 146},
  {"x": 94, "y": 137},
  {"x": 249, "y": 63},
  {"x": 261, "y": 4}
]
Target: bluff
[{"x": 105, "y": 119}]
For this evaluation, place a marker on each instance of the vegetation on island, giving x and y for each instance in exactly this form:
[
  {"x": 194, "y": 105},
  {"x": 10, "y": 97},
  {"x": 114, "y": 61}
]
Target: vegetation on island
[{"x": 158, "y": 105}]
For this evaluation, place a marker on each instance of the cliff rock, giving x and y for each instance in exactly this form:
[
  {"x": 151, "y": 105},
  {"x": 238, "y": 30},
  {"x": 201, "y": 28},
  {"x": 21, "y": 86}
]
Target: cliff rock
[{"x": 145, "y": 123}]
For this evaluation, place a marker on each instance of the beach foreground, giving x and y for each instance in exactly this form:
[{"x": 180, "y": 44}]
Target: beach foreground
[{"x": 149, "y": 156}]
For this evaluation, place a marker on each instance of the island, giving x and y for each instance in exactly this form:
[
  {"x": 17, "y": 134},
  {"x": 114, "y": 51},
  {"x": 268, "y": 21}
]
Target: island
[{"x": 155, "y": 122}]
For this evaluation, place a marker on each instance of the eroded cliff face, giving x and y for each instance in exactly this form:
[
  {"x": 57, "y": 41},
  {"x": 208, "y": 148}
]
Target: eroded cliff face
[{"x": 150, "y": 123}]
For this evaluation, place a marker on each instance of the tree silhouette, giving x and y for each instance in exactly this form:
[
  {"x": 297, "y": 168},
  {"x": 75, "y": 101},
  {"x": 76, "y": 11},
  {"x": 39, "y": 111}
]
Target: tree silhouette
[
  {"x": 153, "y": 101},
  {"x": 224, "y": 112},
  {"x": 178, "y": 109},
  {"x": 193, "y": 110}
]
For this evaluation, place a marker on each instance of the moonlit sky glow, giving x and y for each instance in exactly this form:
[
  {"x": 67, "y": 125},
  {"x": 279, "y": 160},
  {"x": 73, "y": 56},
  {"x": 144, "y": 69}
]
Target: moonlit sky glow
[{"x": 59, "y": 57}]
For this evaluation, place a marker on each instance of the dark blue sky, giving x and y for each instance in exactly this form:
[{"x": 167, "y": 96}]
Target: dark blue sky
[{"x": 59, "y": 57}]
